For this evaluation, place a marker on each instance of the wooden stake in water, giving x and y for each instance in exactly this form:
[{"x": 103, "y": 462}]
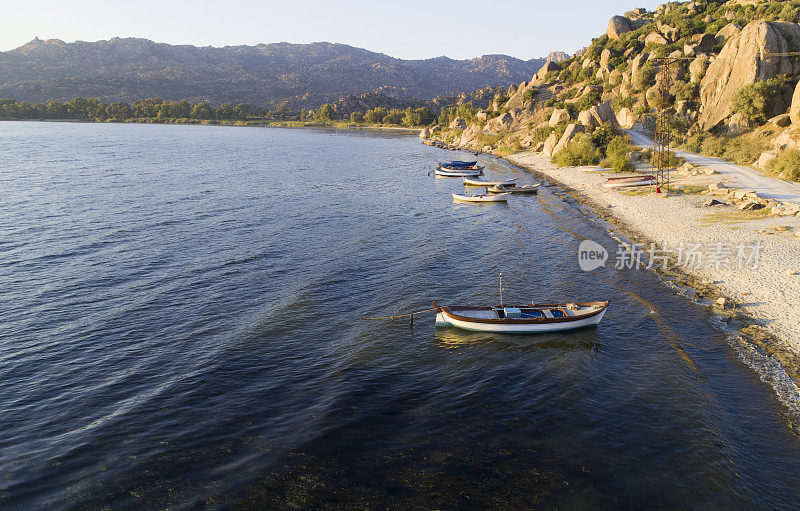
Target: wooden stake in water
[{"x": 501, "y": 290}]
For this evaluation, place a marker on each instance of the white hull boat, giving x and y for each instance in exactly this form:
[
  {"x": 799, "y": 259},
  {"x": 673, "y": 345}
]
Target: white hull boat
[
  {"x": 458, "y": 173},
  {"x": 622, "y": 182},
  {"x": 482, "y": 182},
  {"x": 514, "y": 189},
  {"x": 502, "y": 197},
  {"x": 526, "y": 319}
]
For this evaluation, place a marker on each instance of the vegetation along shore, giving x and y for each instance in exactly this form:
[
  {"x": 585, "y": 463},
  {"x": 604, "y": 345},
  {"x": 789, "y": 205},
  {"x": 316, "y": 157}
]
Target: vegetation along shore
[{"x": 733, "y": 107}]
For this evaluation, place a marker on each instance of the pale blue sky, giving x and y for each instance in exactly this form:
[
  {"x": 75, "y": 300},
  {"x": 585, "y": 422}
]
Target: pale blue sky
[{"x": 403, "y": 28}]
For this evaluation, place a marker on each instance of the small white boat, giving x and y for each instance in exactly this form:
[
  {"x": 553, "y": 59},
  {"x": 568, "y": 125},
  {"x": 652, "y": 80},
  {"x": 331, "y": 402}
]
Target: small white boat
[
  {"x": 514, "y": 189},
  {"x": 622, "y": 182},
  {"x": 502, "y": 197},
  {"x": 483, "y": 182},
  {"x": 458, "y": 173},
  {"x": 526, "y": 319}
]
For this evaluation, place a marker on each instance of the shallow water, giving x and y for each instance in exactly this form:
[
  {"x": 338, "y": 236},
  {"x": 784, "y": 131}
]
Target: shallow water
[{"x": 180, "y": 328}]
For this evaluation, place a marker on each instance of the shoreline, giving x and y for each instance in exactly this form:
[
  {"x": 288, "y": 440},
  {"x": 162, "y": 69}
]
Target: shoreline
[
  {"x": 761, "y": 305},
  {"x": 772, "y": 327},
  {"x": 238, "y": 124}
]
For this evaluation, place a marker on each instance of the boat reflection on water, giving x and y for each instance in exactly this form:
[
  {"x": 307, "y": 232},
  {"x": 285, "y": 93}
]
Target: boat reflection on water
[{"x": 581, "y": 339}]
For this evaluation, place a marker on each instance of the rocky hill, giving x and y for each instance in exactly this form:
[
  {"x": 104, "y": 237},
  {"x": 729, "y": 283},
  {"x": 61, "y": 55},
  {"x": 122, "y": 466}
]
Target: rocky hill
[
  {"x": 303, "y": 75},
  {"x": 732, "y": 85}
]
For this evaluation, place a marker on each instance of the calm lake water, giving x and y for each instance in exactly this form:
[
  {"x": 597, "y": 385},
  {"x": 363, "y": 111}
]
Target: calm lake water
[{"x": 180, "y": 329}]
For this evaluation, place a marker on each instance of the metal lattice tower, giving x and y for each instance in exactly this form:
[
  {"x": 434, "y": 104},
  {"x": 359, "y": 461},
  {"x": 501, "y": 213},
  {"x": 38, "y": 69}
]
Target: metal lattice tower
[{"x": 660, "y": 159}]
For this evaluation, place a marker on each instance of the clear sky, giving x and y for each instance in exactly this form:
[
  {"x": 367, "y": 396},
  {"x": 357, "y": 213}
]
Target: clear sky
[{"x": 402, "y": 28}]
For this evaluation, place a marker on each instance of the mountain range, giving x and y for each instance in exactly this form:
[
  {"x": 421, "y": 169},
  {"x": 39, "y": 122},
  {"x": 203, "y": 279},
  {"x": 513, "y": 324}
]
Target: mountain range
[{"x": 299, "y": 75}]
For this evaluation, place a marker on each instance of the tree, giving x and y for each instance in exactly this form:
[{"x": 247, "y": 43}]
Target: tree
[
  {"x": 325, "y": 113},
  {"x": 201, "y": 111},
  {"x": 357, "y": 117},
  {"x": 755, "y": 99},
  {"x": 395, "y": 116}
]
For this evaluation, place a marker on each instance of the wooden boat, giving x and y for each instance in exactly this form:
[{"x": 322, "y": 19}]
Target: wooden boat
[
  {"x": 483, "y": 182},
  {"x": 458, "y": 163},
  {"x": 526, "y": 319},
  {"x": 461, "y": 167},
  {"x": 502, "y": 197},
  {"x": 458, "y": 173},
  {"x": 513, "y": 189},
  {"x": 622, "y": 182}
]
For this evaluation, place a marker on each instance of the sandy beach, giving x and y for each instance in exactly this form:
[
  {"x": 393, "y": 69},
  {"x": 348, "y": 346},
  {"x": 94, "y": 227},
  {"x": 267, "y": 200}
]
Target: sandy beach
[{"x": 767, "y": 290}]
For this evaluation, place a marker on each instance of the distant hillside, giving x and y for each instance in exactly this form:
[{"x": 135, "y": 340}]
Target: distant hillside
[{"x": 299, "y": 74}]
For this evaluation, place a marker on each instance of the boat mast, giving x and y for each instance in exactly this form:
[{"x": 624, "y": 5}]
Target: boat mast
[{"x": 501, "y": 290}]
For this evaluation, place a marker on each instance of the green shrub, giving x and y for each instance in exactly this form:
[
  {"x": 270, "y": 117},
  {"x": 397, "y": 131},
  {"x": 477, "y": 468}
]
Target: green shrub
[
  {"x": 713, "y": 146},
  {"x": 742, "y": 151},
  {"x": 617, "y": 155},
  {"x": 694, "y": 142},
  {"x": 786, "y": 165},
  {"x": 579, "y": 151},
  {"x": 602, "y": 136},
  {"x": 754, "y": 100},
  {"x": 619, "y": 102}
]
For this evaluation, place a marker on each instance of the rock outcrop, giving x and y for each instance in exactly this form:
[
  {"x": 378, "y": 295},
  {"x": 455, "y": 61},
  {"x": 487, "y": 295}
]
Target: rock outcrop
[
  {"x": 698, "y": 68},
  {"x": 569, "y": 134},
  {"x": 625, "y": 118},
  {"x": 603, "y": 114},
  {"x": 559, "y": 115},
  {"x": 655, "y": 38},
  {"x": 458, "y": 123},
  {"x": 546, "y": 68},
  {"x": 794, "y": 111},
  {"x": 550, "y": 144},
  {"x": 728, "y": 31},
  {"x": 618, "y": 26},
  {"x": 742, "y": 62}
]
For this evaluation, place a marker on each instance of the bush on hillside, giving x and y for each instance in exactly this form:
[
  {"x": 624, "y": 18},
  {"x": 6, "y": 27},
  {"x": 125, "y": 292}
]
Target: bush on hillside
[
  {"x": 713, "y": 146},
  {"x": 786, "y": 165},
  {"x": 617, "y": 153},
  {"x": 742, "y": 151},
  {"x": 754, "y": 100},
  {"x": 580, "y": 151}
]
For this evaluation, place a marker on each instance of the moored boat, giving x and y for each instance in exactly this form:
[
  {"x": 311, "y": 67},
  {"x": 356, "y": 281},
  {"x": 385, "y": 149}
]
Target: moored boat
[
  {"x": 458, "y": 163},
  {"x": 622, "y": 182},
  {"x": 525, "y": 319},
  {"x": 458, "y": 172},
  {"x": 503, "y": 197},
  {"x": 461, "y": 167},
  {"x": 485, "y": 182},
  {"x": 513, "y": 189}
]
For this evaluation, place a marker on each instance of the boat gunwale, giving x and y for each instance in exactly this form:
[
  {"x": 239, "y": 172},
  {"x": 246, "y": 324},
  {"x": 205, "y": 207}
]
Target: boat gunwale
[{"x": 450, "y": 312}]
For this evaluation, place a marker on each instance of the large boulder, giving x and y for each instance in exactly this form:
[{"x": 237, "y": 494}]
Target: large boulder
[
  {"x": 458, "y": 123},
  {"x": 469, "y": 136},
  {"x": 655, "y": 38},
  {"x": 424, "y": 133},
  {"x": 569, "y": 134},
  {"x": 546, "y": 68},
  {"x": 702, "y": 43},
  {"x": 698, "y": 68},
  {"x": 550, "y": 144},
  {"x": 586, "y": 119},
  {"x": 637, "y": 63},
  {"x": 499, "y": 124},
  {"x": 671, "y": 34},
  {"x": 728, "y": 31},
  {"x": 625, "y": 118},
  {"x": 743, "y": 61},
  {"x": 794, "y": 111},
  {"x": 559, "y": 115},
  {"x": 603, "y": 114},
  {"x": 605, "y": 56},
  {"x": 618, "y": 26}
]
